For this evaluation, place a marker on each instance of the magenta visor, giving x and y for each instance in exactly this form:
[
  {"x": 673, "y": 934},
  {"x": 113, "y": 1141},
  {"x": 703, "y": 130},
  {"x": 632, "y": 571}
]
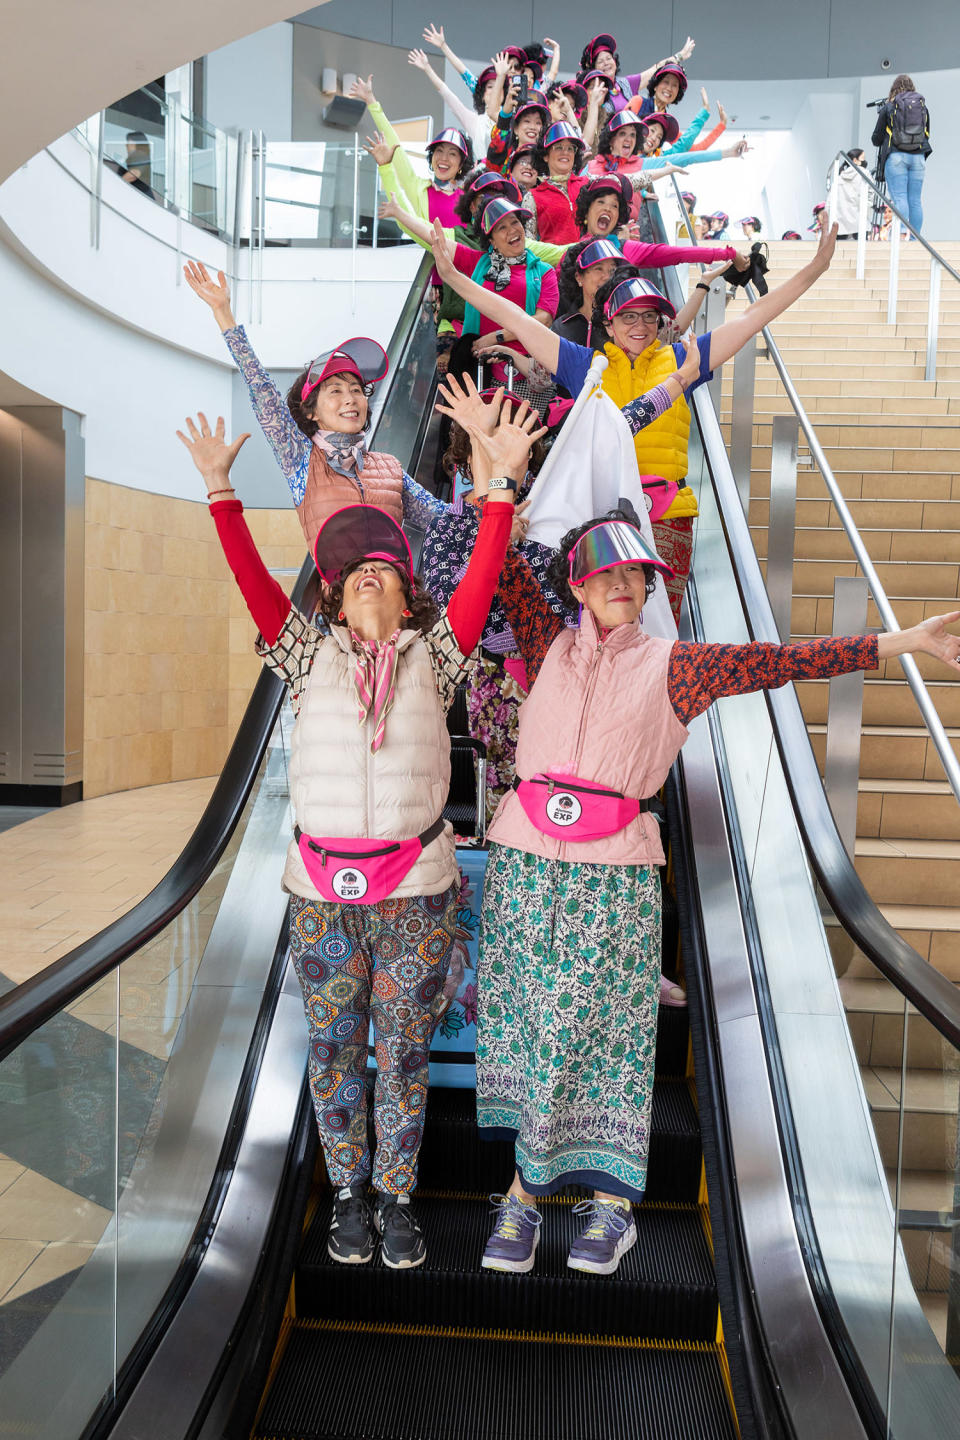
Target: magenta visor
[
  {"x": 625, "y": 117},
  {"x": 722, "y": 217},
  {"x": 535, "y": 68},
  {"x": 610, "y": 185},
  {"x": 498, "y": 183},
  {"x": 562, "y": 130},
  {"x": 597, "y": 251},
  {"x": 637, "y": 295},
  {"x": 534, "y": 101},
  {"x": 601, "y": 42},
  {"x": 753, "y": 220},
  {"x": 591, "y": 75},
  {"x": 688, "y": 197},
  {"x": 672, "y": 69},
  {"x": 578, "y": 96},
  {"x": 499, "y": 208},
  {"x": 614, "y": 542},
  {"x": 359, "y": 532},
  {"x": 668, "y": 124},
  {"x": 360, "y": 357},
  {"x": 510, "y": 396},
  {"x": 450, "y": 136},
  {"x": 791, "y": 235}
]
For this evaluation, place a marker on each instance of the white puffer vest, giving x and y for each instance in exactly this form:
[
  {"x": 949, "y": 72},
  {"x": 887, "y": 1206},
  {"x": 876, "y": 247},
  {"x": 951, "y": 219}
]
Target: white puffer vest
[{"x": 339, "y": 788}]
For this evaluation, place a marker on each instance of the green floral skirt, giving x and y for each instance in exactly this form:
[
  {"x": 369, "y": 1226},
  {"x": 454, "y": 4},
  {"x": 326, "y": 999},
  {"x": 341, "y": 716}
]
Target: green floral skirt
[{"x": 568, "y": 984}]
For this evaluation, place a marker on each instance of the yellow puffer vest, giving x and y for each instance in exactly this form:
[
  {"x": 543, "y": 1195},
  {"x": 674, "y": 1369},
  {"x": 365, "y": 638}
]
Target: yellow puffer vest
[{"x": 661, "y": 447}]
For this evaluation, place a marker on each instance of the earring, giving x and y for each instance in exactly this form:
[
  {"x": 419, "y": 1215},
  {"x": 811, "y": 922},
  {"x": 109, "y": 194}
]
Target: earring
[
  {"x": 342, "y": 616},
  {"x": 407, "y": 614}
]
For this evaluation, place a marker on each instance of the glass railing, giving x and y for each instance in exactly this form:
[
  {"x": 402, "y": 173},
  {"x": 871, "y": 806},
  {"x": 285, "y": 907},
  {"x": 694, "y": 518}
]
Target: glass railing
[
  {"x": 112, "y": 1116},
  {"x": 246, "y": 189}
]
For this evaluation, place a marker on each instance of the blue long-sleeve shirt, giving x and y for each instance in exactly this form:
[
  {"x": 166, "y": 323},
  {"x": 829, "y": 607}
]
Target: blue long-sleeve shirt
[{"x": 292, "y": 449}]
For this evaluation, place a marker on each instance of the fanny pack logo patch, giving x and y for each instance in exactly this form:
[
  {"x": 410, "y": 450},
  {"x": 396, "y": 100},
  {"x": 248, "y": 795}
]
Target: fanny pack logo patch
[
  {"x": 564, "y": 809},
  {"x": 349, "y": 884}
]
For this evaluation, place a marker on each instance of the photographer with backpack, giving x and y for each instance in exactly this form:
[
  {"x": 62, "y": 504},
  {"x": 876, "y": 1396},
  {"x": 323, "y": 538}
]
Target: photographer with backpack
[{"x": 902, "y": 133}]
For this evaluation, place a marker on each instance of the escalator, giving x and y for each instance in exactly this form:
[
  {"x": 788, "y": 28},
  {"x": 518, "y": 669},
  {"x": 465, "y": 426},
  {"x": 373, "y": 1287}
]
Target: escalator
[{"x": 207, "y": 1306}]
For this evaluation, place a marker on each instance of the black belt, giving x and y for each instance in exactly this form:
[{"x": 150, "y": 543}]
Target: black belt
[{"x": 425, "y": 839}]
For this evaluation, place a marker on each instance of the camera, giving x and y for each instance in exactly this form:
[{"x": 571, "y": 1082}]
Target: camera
[{"x": 884, "y": 64}]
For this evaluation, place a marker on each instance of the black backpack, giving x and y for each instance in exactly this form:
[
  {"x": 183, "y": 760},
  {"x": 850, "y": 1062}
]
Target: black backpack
[{"x": 908, "y": 122}]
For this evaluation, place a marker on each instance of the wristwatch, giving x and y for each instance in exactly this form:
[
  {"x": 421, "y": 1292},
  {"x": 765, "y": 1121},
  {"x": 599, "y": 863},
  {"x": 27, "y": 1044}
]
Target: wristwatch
[{"x": 502, "y": 482}]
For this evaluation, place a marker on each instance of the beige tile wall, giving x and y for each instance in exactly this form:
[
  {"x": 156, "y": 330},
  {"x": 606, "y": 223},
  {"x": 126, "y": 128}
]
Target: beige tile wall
[{"x": 168, "y": 659}]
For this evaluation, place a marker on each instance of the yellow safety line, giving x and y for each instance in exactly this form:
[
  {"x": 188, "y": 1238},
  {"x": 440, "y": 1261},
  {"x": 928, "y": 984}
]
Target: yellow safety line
[{"x": 452, "y": 1332}]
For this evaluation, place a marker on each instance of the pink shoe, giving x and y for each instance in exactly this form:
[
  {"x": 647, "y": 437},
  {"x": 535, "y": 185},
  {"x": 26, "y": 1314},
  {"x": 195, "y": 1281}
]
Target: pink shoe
[{"x": 671, "y": 994}]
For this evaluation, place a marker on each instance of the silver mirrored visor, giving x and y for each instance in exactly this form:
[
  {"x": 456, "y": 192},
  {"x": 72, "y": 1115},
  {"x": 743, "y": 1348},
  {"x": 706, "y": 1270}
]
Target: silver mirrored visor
[{"x": 615, "y": 542}]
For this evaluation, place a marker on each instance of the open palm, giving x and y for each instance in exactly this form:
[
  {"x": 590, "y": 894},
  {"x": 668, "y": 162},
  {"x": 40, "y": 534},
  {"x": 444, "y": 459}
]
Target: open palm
[{"x": 215, "y": 293}]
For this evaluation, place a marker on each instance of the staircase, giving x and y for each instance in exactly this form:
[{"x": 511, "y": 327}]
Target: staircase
[
  {"x": 893, "y": 440},
  {"x": 453, "y": 1352}
]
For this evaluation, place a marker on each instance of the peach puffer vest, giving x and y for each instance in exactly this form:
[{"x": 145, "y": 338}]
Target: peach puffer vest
[
  {"x": 338, "y": 788},
  {"x": 599, "y": 709},
  {"x": 381, "y": 483}
]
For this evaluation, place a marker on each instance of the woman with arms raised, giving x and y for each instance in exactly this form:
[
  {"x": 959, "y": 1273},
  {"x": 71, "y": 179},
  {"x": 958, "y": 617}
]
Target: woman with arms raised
[
  {"x": 371, "y": 870},
  {"x": 317, "y": 431},
  {"x": 569, "y": 963},
  {"x": 628, "y": 316}
]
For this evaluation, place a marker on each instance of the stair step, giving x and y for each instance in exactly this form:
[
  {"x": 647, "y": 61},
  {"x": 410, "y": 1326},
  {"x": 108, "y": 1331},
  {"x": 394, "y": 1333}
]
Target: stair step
[
  {"x": 458, "y": 1386},
  {"x": 885, "y": 702},
  {"x": 889, "y": 544},
  {"x": 929, "y": 1139},
  {"x": 909, "y": 872},
  {"x": 914, "y": 809},
  {"x": 664, "y": 1287},
  {"x": 902, "y": 752},
  {"x": 455, "y": 1156}
]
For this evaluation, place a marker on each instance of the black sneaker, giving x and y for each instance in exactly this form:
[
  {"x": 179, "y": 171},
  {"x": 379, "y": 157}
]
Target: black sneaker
[
  {"x": 403, "y": 1246},
  {"x": 350, "y": 1240}
]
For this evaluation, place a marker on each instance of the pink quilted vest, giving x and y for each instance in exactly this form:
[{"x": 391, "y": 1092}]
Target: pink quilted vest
[
  {"x": 380, "y": 484},
  {"x": 599, "y": 709}
]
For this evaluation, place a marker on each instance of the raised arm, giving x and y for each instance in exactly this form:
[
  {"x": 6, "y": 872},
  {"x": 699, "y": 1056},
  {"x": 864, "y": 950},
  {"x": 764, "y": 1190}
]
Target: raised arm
[
  {"x": 535, "y": 338},
  {"x": 289, "y": 445},
  {"x": 421, "y": 230},
  {"x": 406, "y": 176},
  {"x": 689, "y": 312},
  {"x": 433, "y": 35},
  {"x": 591, "y": 121},
  {"x": 682, "y": 54},
  {"x": 730, "y": 337},
  {"x": 213, "y": 457},
  {"x": 466, "y": 116},
  {"x": 685, "y": 141}
]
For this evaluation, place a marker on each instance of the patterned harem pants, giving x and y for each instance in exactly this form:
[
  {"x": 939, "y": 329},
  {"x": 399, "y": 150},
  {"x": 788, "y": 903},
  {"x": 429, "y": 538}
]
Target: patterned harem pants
[{"x": 386, "y": 963}]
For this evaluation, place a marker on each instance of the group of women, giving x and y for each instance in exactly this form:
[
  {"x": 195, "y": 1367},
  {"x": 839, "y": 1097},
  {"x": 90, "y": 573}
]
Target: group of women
[{"x": 581, "y": 709}]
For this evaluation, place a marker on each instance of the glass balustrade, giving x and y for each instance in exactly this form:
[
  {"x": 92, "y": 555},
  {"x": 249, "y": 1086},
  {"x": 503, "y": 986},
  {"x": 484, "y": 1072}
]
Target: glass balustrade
[
  {"x": 317, "y": 193},
  {"x": 112, "y": 1118}
]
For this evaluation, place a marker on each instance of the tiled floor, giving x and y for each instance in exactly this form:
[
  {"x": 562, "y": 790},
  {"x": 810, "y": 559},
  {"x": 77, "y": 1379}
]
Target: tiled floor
[{"x": 66, "y": 874}]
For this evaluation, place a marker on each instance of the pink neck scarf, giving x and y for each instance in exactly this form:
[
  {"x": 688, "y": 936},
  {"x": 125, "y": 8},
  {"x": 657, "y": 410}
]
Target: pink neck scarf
[{"x": 375, "y": 681}]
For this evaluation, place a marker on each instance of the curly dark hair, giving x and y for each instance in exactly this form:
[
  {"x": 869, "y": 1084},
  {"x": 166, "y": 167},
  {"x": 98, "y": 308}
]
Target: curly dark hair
[
  {"x": 558, "y": 570},
  {"x": 586, "y": 59},
  {"x": 467, "y": 161},
  {"x": 462, "y": 207},
  {"x": 302, "y": 410},
  {"x": 586, "y": 198},
  {"x": 606, "y": 137},
  {"x": 543, "y": 165},
  {"x": 424, "y": 613},
  {"x": 598, "y": 320},
  {"x": 534, "y": 51},
  {"x": 478, "y": 102},
  {"x": 457, "y": 454}
]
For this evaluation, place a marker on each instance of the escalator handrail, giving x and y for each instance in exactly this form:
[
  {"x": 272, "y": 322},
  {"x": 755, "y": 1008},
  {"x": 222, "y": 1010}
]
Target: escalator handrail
[
  {"x": 925, "y": 988},
  {"x": 25, "y": 1008}
]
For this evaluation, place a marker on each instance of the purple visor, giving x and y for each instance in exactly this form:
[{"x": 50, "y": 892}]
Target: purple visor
[
  {"x": 499, "y": 208},
  {"x": 669, "y": 125},
  {"x": 587, "y": 78},
  {"x": 613, "y": 542},
  {"x": 637, "y": 295},
  {"x": 671, "y": 68},
  {"x": 604, "y": 41},
  {"x": 688, "y": 197},
  {"x": 360, "y": 356},
  {"x": 753, "y": 220},
  {"x": 450, "y": 136},
  {"x": 597, "y": 251},
  {"x": 578, "y": 96},
  {"x": 359, "y": 532},
  {"x": 535, "y": 100},
  {"x": 625, "y": 117},
  {"x": 499, "y": 184},
  {"x": 562, "y": 130}
]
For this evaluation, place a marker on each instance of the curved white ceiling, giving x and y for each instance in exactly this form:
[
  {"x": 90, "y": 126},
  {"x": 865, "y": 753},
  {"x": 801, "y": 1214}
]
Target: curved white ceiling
[{"x": 62, "y": 60}]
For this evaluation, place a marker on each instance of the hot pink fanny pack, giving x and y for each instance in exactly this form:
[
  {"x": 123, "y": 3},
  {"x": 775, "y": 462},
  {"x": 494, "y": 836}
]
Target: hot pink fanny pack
[
  {"x": 360, "y": 872},
  {"x": 567, "y": 809},
  {"x": 659, "y": 495}
]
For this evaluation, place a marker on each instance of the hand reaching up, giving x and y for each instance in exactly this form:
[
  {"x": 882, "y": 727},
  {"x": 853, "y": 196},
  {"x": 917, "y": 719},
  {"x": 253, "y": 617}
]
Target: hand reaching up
[
  {"x": 379, "y": 149},
  {"x": 420, "y": 59},
  {"x": 433, "y": 35},
  {"x": 363, "y": 90},
  {"x": 215, "y": 293},
  {"x": 507, "y": 447},
  {"x": 210, "y": 452}
]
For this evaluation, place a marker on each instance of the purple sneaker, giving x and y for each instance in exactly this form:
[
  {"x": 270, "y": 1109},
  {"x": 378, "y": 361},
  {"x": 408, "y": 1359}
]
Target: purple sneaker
[
  {"x": 513, "y": 1244},
  {"x": 611, "y": 1231}
]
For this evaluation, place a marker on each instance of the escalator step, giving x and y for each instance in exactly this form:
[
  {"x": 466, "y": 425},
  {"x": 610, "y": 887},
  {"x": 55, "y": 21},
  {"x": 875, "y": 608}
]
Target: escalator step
[
  {"x": 455, "y": 1156},
  {"x": 342, "y": 1384},
  {"x": 664, "y": 1287}
]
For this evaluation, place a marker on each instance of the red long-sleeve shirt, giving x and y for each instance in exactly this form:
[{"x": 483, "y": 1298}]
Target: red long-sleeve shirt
[{"x": 270, "y": 607}]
